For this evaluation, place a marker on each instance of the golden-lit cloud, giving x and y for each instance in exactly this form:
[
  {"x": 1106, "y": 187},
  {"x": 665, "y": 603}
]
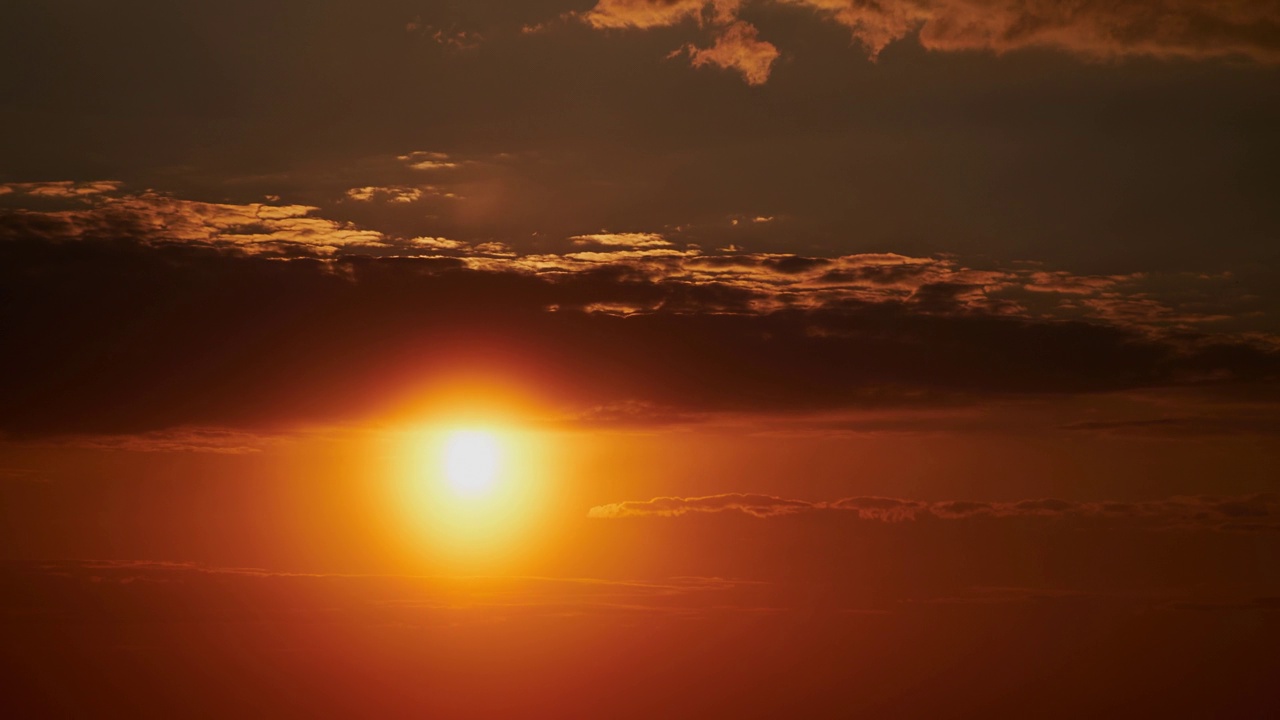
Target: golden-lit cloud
[
  {"x": 756, "y": 282},
  {"x": 63, "y": 189},
  {"x": 1183, "y": 28},
  {"x": 623, "y": 240},
  {"x": 154, "y": 217},
  {"x": 426, "y": 160},
  {"x": 393, "y": 194},
  {"x": 625, "y": 322},
  {"x": 642, "y": 13},
  {"x": 1099, "y": 31},
  {"x": 739, "y": 48},
  {"x": 1258, "y": 512}
]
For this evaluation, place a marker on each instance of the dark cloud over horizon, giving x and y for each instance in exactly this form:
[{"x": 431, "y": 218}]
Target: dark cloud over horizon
[{"x": 131, "y": 313}]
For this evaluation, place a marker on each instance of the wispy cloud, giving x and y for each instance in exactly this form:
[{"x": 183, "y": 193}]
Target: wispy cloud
[
  {"x": 1155, "y": 28},
  {"x": 623, "y": 240},
  {"x": 1181, "y": 29},
  {"x": 62, "y": 189},
  {"x": 1260, "y": 512},
  {"x": 93, "y": 590},
  {"x": 151, "y": 217}
]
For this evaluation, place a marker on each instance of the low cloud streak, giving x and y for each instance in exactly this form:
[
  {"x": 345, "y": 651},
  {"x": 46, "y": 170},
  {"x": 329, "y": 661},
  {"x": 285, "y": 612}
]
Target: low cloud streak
[{"x": 1259, "y": 512}]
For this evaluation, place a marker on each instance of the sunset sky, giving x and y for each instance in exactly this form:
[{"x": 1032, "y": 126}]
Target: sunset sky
[{"x": 640, "y": 358}]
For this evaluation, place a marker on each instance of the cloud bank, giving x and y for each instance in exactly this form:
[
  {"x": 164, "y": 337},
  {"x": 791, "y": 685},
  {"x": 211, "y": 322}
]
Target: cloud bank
[
  {"x": 143, "y": 312},
  {"x": 1178, "y": 29}
]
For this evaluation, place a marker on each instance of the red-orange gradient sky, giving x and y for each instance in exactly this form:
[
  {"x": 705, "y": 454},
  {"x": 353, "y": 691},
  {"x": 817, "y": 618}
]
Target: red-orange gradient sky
[{"x": 640, "y": 359}]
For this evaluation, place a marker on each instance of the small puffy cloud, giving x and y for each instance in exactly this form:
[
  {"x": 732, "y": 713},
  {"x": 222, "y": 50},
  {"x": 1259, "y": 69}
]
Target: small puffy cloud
[
  {"x": 622, "y": 240},
  {"x": 438, "y": 243},
  {"x": 491, "y": 248},
  {"x": 494, "y": 248},
  {"x": 426, "y": 160},
  {"x": 394, "y": 194},
  {"x": 739, "y": 48}
]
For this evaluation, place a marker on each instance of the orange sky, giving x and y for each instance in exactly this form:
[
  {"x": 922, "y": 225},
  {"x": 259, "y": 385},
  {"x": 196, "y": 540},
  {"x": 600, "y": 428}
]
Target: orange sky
[{"x": 639, "y": 358}]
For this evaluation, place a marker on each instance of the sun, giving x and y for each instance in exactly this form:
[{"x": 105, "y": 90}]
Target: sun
[
  {"x": 474, "y": 492},
  {"x": 472, "y": 461}
]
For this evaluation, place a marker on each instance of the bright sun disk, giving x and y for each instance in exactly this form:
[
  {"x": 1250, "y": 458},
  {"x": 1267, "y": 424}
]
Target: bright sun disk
[{"x": 471, "y": 460}]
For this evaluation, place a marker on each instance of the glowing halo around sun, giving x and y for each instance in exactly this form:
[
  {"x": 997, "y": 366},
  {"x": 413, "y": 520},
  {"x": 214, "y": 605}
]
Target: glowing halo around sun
[{"x": 473, "y": 492}]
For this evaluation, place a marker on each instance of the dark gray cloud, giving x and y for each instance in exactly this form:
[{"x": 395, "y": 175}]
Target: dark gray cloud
[{"x": 143, "y": 312}]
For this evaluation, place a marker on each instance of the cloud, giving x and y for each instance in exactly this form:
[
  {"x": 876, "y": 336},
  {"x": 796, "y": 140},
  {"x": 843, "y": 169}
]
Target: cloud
[
  {"x": 216, "y": 441},
  {"x": 754, "y": 505},
  {"x": 452, "y": 39},
  {"x": 251, "y": 315},
  {"x": 1259, "y": 512},
  {"x": 426, "y": 160},
  {"x": 393, "y": 194},
  {"x": 623, "y": 240},
  {"x": 737, "y": 47},
  {"x": 1165, "y": 29},
  {"x": 153, "y": 217},
  {"x": 61, "y": 189},
  {"x": 1098, "y": 30},
  {"x": 1240, "y": 422},
  {"x": 156, "y": 591},
  {"x": 642, "y": 14},
  {"x": 735, "y": 43}
]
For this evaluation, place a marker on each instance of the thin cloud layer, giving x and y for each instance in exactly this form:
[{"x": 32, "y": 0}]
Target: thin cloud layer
[
  {"x": 157, "y": 591},
  {"x": 1251, "y": 513}
]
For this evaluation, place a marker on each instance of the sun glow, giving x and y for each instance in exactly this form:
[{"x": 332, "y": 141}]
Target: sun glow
[
  {"x": 472, "y": 461},
  {"x": 473, "y": 492}
]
